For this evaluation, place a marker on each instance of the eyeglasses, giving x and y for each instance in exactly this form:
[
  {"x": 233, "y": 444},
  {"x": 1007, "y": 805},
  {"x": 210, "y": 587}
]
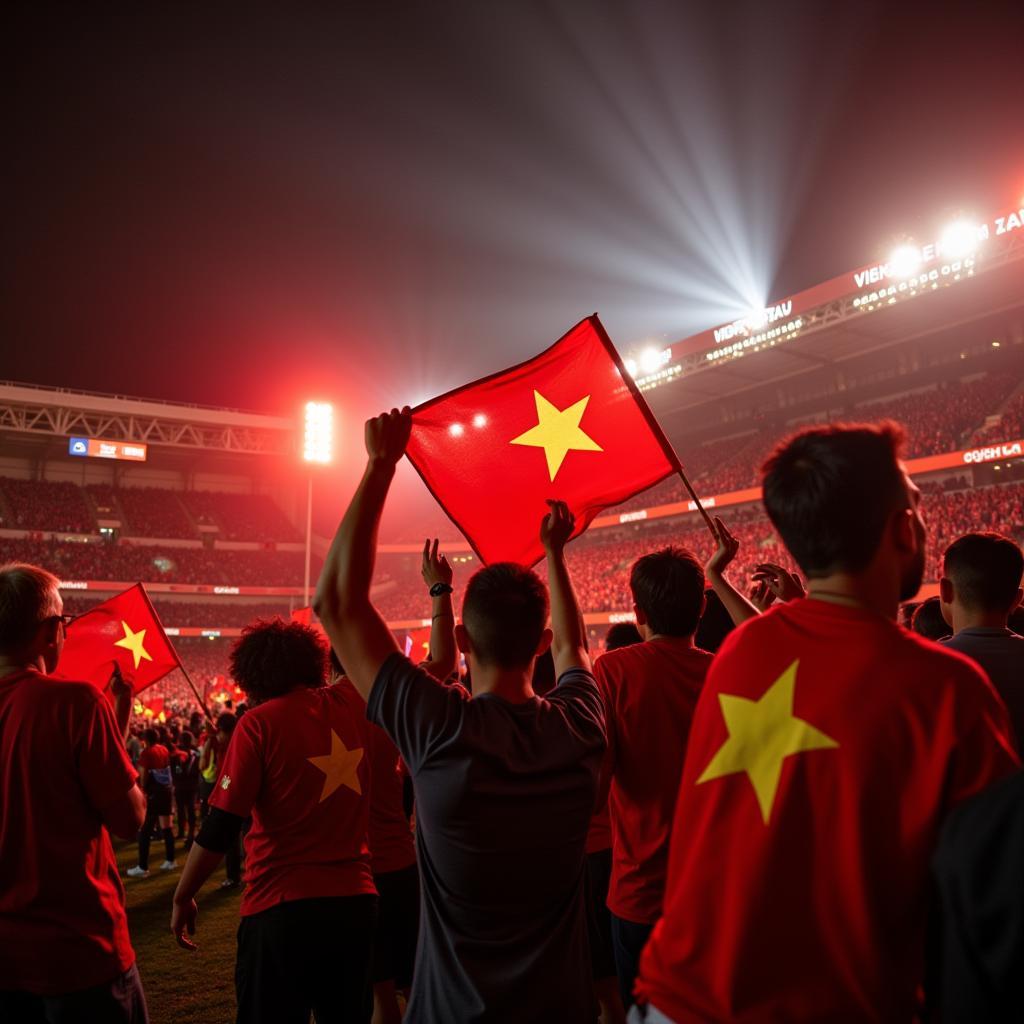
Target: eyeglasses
[{"x": 65, "y": 618}]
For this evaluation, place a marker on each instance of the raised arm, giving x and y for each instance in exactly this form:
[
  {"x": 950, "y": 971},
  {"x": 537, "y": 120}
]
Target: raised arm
[
  {"x": 437, "y": 575},
  {"x": 739, "y": 607},
  {"x": 569, "y": 644},
  {"x": 356, "y": 630}
]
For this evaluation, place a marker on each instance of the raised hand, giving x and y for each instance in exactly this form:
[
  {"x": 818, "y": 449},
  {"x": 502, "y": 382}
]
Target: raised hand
[
  {"x": 435, "y": 567},
  {"x": 782, "y": 583},
  {"x": 556, "y": 527},
  {"x": 761, "y": 595},
  {"x": 387, "y": 435},
  {"x": 119, "y": 687},
  {"x": 726, "y": 551}
]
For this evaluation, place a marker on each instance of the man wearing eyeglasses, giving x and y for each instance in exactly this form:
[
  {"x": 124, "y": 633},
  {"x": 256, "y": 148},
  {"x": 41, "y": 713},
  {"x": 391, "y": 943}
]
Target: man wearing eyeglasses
[{"x": 66, "y": 783}]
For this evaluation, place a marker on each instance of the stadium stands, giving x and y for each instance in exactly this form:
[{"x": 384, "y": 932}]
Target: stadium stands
[
  {"x": 202, "y": 614},
  {"x": 153, "y": 512},
  {"x": 241, "y": 516},
  {"x": 159, "y": 564},
  {"x": 44, "y": 505}
]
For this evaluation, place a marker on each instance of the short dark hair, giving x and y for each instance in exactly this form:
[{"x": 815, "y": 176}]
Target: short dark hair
[
  {"x": 928, "y": 620},
  {"x": 829, "y": 492},
  {"x": 986, "y": 570},
  {"x": 668, "y": 587},
  {"x": 272, "y": 657},
  {"x": 151, "y": 736},
  {"x": 226, "y": 722},
  {"x": 622, "y": 634},
  {"x": 186, "y": 740},
  {"x": 504, "y": 610},
  {"x": 28, "y": 594}
]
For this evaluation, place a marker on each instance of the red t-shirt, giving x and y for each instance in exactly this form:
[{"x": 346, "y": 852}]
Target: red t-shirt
[
  {"x": 650, "y": 692},
  {"x": 391, "y": 842},
  {"x": 157, "y": 760},
  {"x": 298, "y": 764},
  {"x": 827, "y": 748},
  {"x": 62, "y": 761}
]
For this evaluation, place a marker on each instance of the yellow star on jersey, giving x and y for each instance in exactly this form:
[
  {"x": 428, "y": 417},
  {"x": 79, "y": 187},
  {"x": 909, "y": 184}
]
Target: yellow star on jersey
[
  {"x": 558, "y": 432},
  {"x": 339, "y": 766},
  {"x": 762, "y": 734},
  {"x": 134, "y": 642}
]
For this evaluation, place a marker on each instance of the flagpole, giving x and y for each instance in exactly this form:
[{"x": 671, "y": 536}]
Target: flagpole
[
  {"x": 700, "y": 508},
  {"x": 192, "y": 686}
]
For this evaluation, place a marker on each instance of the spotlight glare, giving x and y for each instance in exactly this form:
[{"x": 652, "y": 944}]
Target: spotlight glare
[
  {"x": 904, "y": 260},
  {"x": 456, "y": 430},
  {"x": 319, "y": 433},
  {"x": 650, "y": 360},
  {"x": 959, "y": 239},
  {"x": 479, "y": 420},
  {"x": 631, "y": 367}
]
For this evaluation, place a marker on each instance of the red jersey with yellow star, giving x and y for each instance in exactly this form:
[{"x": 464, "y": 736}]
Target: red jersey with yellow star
[
  {"x": 299, "y": 765},
  {"x": 827, "y": 748}
]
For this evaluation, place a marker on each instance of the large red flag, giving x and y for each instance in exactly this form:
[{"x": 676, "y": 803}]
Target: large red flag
[
  {"x": 568, "y": 424},
  {"x": 124, "y": 629}
]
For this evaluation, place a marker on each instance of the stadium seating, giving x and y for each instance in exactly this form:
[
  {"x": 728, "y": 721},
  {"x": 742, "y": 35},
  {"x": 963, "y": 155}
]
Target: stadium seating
[
  {"x": 1010, "y": 426},
  {"x": 161, "y": 564},
  {"x": 44, "y": 505},
  {"x": 154, "y": 512},
  {"x": 241, "y": 516}
]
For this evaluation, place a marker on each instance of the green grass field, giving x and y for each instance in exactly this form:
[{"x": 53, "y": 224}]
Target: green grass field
[{"x": 182, "y": 987}]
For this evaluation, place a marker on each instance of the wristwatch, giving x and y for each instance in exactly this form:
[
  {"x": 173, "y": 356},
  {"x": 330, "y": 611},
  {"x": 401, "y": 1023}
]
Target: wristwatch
[{"x": 440, "y": 588}]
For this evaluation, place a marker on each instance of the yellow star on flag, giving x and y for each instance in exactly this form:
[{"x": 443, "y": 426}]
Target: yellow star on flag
[
  {"x": 558, "y": 432},
  {"x": 762, "y": 734},
  {"x": 339, "y": 766},
  {"x": 134, "y": 642}
]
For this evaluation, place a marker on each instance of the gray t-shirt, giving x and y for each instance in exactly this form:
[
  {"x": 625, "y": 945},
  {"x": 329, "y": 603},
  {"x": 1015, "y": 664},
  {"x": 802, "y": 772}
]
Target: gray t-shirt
[
  {"x": 1000, "y": 653},
  {"x": 504, "y": 797}
]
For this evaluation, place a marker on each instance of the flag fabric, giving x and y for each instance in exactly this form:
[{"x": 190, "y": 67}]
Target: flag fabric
[
  {"x": 813, "y": 792},
  {"x": 569, "y": 424},
  {"x": 125, "y": 629}
]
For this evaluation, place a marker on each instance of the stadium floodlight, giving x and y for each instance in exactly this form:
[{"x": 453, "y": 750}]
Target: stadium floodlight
[
  {"x": 959, "y": 239},
  {"x": 630, "y": 365},
  {"x": 650, "y": 360},
  {"x": 319, "y": 436},
  {"x": 904, "y": 261}
]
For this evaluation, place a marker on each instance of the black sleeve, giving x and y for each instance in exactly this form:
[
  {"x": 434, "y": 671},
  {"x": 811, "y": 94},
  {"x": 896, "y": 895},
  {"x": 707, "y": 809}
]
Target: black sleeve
[
  {"x": 414, "y": 709},
  {"x": 220, "y": 830},
  {"x": 979, "y": 940}
]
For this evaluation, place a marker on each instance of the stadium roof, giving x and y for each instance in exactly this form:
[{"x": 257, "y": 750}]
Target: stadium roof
[
  {"x": 39, "y": 421},
  {"x": 865, "y": 310}
]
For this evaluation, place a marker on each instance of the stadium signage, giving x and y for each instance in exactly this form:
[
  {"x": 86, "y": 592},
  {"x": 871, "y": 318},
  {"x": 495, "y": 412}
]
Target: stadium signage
[
  {"x": 755, "y": 322},
  {"x": 226, "y": 590},
  {"x": 92, "y": 447},
  {"x": 780, "y": 321},
  {"x": 993, "y": 452}
]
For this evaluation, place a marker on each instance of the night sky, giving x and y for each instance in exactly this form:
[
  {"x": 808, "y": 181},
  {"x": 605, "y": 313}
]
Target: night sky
[{"x": 208, "y": 204}]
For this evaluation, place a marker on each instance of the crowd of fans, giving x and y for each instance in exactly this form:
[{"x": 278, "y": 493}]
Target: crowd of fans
[
  {"x": 1010, "y": 426},
  {"x": 240, "y": 516},
  {"x": 156, "y": 564},
  {"x": 44, "y": 505},
  {"x": 758, "y": 773},
  {"x": 64, "y": 507},
  {"x": 937, "y": 420}
]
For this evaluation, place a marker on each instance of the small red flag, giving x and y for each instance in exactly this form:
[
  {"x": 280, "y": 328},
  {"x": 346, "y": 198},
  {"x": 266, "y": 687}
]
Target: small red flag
[
  {"x": 569, "y": 424},
  {"x": 125, "y": 629}
]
